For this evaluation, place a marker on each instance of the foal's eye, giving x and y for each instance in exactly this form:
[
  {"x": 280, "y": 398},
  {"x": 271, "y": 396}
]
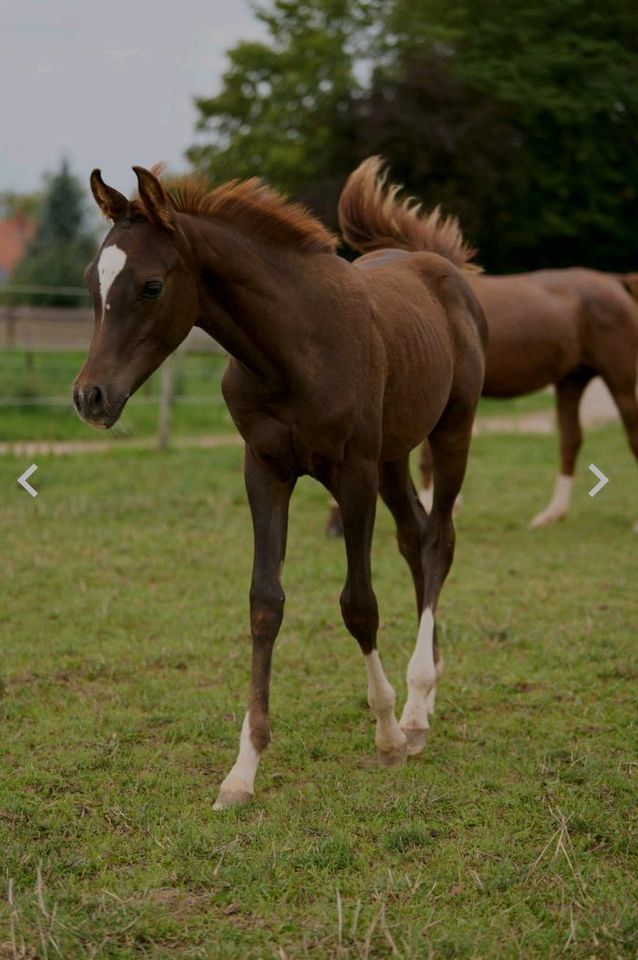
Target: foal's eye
[{"x": 151, "y": 289}]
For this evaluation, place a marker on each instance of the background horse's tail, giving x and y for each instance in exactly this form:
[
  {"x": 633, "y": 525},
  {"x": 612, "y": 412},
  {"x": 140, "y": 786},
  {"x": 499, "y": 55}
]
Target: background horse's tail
[{"x": 371, "y": 218}]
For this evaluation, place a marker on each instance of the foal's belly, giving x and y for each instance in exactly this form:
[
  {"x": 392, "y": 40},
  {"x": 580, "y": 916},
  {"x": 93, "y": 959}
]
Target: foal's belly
[{"x": 415, "y": 397}]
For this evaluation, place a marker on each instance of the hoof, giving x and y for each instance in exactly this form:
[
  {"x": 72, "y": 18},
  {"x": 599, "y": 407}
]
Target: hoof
[
  {"x": 232, "y": 798},
  {"x": 417, "y": 739},
  {"x": 545, "y": 520},
  {"x": 393, "y": 757}
]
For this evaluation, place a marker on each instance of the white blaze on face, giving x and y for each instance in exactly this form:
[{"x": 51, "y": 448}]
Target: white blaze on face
[{"x": 110, "y": 264}]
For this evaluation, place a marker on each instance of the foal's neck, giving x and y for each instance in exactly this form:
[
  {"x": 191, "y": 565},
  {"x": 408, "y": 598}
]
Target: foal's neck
[{"x": 247, "y": 293}]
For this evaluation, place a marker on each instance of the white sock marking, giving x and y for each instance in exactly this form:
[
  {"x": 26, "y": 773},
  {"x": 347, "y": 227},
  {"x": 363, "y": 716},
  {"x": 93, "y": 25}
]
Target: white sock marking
[
  {"x": 426, "y": 497},
  {"x": 110, "y": 264},
  {"x": 382, "y": 699},
  {"x": 421, "y": 677},
  {"x": 242, "y": 775},
  {"x": 558, "y": 506}
]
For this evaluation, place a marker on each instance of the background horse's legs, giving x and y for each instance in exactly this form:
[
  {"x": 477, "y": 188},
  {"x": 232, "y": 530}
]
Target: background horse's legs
[
  {"x": 425, "y": 469},
  {"x": 356, "y": 493},
  {"x": 334, "y": 524},
  {"x": 450, "y": 443},
  {"x": 622, "y": 386},
  {"x": 568, "y": 396},
  {"x": 269, "y": 498}
]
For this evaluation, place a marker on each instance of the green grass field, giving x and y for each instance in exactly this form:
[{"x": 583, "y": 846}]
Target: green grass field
[
  {"x": 35, "y": 399},
  {"x": 124, "y": 660}
]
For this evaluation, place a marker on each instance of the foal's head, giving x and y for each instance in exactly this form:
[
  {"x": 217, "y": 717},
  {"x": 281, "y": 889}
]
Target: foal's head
[{"x": 144, "y": 295}]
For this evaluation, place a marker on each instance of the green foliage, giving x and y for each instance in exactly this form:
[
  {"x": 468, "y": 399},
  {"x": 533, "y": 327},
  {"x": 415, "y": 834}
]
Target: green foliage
[
  {"x": 556, "y": 180},
  {"x": 12, "y": 203},
  {"x": 285, "y": 107},
  {"x": 521, "y": 119},
  {"x": 62, "y": 245}
]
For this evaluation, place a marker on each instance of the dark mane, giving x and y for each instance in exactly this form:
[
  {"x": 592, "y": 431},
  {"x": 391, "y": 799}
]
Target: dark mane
[{"x": 250, "y": 203}]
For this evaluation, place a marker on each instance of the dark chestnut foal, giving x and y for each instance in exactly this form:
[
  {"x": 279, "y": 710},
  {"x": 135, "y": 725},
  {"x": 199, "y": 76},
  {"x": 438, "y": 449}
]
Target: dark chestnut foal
[{"x": 336, "y": 371}]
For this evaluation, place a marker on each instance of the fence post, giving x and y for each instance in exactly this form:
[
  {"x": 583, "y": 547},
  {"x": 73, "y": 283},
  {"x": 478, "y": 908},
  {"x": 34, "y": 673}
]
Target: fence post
[
  {"x": 166, "y": 397},
  {"x": 11, "y": 325}
]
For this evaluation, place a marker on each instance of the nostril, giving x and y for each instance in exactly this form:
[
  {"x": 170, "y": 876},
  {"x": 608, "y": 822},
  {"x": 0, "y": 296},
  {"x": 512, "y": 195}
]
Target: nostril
[
  {"x": 94, "y": 398},
  {"x": 77, "y": 397}
]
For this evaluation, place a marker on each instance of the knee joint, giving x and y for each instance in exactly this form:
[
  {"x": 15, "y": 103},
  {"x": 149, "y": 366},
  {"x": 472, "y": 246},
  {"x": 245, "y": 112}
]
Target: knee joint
[
  {"x": 360, "y": 615},
  {"x": 266, "y": 614}
]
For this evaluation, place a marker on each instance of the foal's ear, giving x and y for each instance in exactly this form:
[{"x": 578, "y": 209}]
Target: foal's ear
[
  {"x": 153, "y": 196},
  {"x": 111, "y": 202}
]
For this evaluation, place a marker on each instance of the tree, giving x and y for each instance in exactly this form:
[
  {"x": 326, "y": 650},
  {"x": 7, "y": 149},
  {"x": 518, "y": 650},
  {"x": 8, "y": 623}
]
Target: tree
[
  {"x": 62, "y": 244},
  {"x": 561, "y": 76},
  {"x": 522, "y": 119},
  {"x": 284, "y": 111},
  {"x": 19, "y": 204}
]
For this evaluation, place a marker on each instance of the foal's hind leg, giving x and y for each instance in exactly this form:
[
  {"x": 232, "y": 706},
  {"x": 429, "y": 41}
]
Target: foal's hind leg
[
  {"x": 426, "y": 493},
  {"x": 568, "y": 396},
  {"x": 356, "y": 493},
  {"x": 269, "y": 498},
  {"x": 450, "y": 445},
  {"x": 399, "y": 495}
]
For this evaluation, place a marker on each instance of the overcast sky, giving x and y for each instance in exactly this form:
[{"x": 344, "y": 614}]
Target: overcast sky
[{"x": 108, "y": 84}]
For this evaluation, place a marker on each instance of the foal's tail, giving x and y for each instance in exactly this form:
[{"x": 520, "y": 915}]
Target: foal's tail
[{"x": 371, "y": 218}]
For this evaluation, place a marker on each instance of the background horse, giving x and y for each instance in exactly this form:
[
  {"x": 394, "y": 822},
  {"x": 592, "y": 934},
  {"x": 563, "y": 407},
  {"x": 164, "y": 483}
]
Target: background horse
[
  {"x": 336, "y": 371},
  {"x": 561, "y": 327}
]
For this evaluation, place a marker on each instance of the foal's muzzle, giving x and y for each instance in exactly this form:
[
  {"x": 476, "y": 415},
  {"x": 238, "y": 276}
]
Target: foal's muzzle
[{"x": 94, "y": 405}]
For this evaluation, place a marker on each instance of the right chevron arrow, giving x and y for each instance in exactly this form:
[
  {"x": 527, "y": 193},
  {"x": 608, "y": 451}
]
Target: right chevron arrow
[{"x": 602, "y": 480}]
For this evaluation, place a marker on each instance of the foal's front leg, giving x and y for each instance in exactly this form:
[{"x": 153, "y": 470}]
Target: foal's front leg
[
  {"x": 269, "y": 498},
  {"x": 356, "y": 494}
]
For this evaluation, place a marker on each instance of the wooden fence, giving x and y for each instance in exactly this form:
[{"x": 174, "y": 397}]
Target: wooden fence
[{"x": 66, "y": 328}]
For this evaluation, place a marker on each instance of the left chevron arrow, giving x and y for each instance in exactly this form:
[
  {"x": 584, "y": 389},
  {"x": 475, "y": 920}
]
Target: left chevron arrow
[{"x": 24, "y": 480}]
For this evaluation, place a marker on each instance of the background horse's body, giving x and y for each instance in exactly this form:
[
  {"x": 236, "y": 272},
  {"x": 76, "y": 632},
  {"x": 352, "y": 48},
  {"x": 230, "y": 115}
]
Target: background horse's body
[
  {"x": 560, "y": 327},
  {"x": 336, "y": 371}
]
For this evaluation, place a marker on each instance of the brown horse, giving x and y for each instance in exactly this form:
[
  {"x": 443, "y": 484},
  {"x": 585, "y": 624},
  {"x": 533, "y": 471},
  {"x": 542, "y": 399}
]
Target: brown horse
[
  {"x": 561, "y": 327},
  {"x": 336, "y": 371}
]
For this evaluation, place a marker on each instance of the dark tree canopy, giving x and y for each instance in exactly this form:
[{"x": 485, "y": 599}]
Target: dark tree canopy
[{"x": 520, "y": 118}]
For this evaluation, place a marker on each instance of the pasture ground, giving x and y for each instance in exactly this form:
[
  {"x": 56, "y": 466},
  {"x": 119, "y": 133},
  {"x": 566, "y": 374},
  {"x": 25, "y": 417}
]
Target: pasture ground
[
  {"x": 124, "y": 657},
  {"x": 35, "y": 399}
]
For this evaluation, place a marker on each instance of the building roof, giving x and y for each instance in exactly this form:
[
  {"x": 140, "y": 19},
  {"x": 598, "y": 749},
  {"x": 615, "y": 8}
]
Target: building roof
[{"x": 15, "y": 233}]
